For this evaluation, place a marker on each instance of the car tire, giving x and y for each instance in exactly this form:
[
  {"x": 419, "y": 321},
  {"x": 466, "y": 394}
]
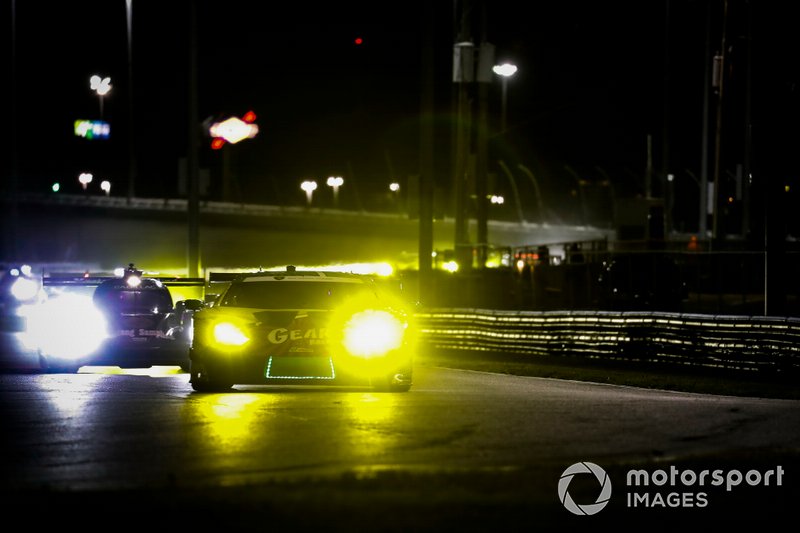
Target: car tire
[
  {"x": 402, "y": 387},
  {"x": 202, "y": 381}
]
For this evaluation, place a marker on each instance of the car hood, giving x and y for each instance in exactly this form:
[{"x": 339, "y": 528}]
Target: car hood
[{"x": 262, "y": 317}]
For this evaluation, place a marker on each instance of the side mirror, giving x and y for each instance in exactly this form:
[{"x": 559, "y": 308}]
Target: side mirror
[{"x": 192, "y": 304}]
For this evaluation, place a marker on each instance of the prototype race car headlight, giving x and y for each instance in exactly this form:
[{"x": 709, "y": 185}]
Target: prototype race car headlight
[
  {"x": 373, "y": 333},
  {"x": 229, "y": 334},
  {"x": 67, "y": 326},
  {"x": 24, "y": 289}
]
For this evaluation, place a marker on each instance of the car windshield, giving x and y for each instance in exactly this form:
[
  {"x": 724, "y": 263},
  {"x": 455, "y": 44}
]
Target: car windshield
[
  {"x": 294, "y": 294},
  {"x": 134, "y": 301}
]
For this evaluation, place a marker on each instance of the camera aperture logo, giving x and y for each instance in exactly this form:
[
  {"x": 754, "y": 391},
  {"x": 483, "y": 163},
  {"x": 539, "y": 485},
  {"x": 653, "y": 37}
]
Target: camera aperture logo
[
  {"x": 662, "y": 488},
  {"x": 590, "y": 508}
]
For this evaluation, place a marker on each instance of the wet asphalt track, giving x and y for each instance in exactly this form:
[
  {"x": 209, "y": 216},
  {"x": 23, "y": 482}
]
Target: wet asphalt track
[{"x": 464, "y": 450}]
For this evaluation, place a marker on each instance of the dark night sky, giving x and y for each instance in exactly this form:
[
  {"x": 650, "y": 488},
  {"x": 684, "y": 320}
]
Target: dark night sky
[{"x": 595, "y": 79}]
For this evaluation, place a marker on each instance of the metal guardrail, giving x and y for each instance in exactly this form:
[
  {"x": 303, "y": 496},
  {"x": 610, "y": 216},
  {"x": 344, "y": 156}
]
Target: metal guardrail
[{"x": 769, "y": 344}]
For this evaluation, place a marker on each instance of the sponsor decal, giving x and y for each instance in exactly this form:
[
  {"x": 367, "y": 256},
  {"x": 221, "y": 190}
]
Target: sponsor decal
[{"x": 312, "y": 335}]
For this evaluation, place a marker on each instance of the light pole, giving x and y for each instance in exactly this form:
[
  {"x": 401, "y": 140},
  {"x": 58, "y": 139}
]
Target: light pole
[
  {"x": 131, "y": 136},
  {"x": 580, "y": 183},
  {"x": 85, "y": 179},
  {"x": 309, "y": 186},
  {"x": 231, "y": 130},
  {"x": 335, "y": 182},
  {"x": 535, "y": 182},
  {"x": 101, "y": 86},
  {"x": 505, "y": 71},
  {"x": 514, "y": 190}
]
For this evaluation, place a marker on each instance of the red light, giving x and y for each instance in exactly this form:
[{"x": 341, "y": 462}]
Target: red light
[
  {"x": 249, "y": 117},
  {"x": 217, "y": 143},
  {"x": 359, "y": 40}
]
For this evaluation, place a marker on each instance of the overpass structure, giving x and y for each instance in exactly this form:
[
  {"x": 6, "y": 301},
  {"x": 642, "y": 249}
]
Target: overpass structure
[{"x": 108, "y": 232}]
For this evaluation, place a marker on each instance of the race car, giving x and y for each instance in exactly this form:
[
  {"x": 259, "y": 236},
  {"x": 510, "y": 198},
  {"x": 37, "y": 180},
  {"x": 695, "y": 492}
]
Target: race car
[
  {"x": 306, "y": 327},
  {"x": 126, "y": 320}
]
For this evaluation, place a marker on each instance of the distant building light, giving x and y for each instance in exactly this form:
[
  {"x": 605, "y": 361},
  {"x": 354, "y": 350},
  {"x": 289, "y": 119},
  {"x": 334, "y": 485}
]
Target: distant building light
[
  {"x": 100, "y": 85},
  {"x": 234, "y": 129},
  {"x": 309, "y": 186},
  {"x": 505, "y": 70},
  {"x": 92, "y": 129},
  {"x": 85, "y": 179},
  {"x": 450, "y": 266}
]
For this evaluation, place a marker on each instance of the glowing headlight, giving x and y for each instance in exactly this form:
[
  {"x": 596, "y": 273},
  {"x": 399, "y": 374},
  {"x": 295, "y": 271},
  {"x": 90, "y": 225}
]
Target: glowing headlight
[
  {"x": 24, "y": 289},
  {"x": 450, "y": 266},
  {"x": 373, "y": 333},
  {"x": 68, "y": 326},
  {"x": 230, "y": 334}
]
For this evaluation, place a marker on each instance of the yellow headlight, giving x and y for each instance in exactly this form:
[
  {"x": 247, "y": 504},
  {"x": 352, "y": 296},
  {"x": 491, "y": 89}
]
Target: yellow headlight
[
  {"x": 373, "y": 333},
  {"x": 230, "y": 334}
]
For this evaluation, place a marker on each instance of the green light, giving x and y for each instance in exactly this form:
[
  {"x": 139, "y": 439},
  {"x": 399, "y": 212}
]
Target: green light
[{"x": 56, "y": 187}]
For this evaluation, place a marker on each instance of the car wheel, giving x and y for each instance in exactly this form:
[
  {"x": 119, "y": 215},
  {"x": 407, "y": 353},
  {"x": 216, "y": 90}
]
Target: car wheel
[{"x": 202, "y": 381}]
